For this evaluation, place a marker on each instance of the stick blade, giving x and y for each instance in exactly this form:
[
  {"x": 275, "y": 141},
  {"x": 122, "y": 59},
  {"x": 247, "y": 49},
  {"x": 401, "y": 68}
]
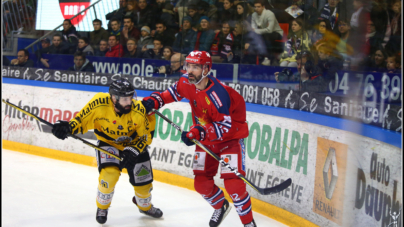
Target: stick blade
[{"x": 277, "y": 188}]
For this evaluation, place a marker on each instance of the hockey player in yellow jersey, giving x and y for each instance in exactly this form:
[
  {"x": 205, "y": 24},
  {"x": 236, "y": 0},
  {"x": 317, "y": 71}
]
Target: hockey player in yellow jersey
[{"x": 123, "y": 128}]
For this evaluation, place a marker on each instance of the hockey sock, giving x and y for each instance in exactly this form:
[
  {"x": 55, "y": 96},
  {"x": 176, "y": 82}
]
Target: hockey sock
[
  {"x": 216, "y": 198},
  {"x": 209, "y": 191},
  {"x": 106, "y": 185},
  {"x": 241, "y": 199},
  {"x": 143, "y": 196}
]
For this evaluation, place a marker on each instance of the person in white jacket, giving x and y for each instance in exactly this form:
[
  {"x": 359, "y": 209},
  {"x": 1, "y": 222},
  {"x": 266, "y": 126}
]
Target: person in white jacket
[{"x": 264, "y": 23}]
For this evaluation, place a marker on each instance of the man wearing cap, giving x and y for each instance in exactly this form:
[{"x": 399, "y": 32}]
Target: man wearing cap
[
  {"x": 57, "y": 47},
  {"x": 186, "y": 39},
  {"x": 205, "y": 35},
  {"x": 145, "y": 39},
  {"x": 45, "y": 43}
]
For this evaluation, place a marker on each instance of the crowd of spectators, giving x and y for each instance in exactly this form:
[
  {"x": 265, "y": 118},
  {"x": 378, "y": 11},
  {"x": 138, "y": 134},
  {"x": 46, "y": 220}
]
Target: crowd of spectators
[{"x": 362, "y": 35}]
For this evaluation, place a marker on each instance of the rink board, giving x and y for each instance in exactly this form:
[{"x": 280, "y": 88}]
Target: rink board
[{"x": 339, "y": 178}]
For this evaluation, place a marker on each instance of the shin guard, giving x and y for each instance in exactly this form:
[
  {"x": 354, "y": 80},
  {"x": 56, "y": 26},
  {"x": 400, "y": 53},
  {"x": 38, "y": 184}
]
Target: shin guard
[
  {"x": 106, "y": 185},
  {"x": 209, "y": 191},
  {"x": 241, "y": 199},
  {"x": 143, "y": 196}
]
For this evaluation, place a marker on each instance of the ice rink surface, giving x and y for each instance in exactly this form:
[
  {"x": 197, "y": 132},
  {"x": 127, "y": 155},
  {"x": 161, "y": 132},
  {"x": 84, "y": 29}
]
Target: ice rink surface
[{"x": 44, "y": 192}]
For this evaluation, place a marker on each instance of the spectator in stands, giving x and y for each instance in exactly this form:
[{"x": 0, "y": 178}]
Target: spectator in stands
[
  {"x": 186, "y": 39},
  {"x": 176, "y": 67},
  {"x": 333, "y": 11},
  {"x": 320, "y": 29},
  {"x": 377, "y": 62},
  {"x": 22, "y": 59},
  {"x": 163, "y": 34},
  {"x": 145, "y": 38},
  {"x": 70, "y": 36},
  {"x": 169, "y": 17},
  {"x": 115, "y": 48},
  {"x": 205, "y": 35},
  {"x": 311, "y": 79},
  {"x": 57, "y": 47},
  {"x": 193, "y": 13},
  {"x": 394, "y": 43},
  {"x": 247, "y": 44},
  {"x": 84, "y": 47},
  {"x": 133, "y": 52},
  {"x": 394, "y": 63},
  {"x": 117, "y": 14},
  {"x": 129, "y": 30},
  {"x": 222, "y": 45},
  {"x": 167, "y": 53},
  {"x": 177, "y": 63},
  {"x": 102, "y": 49},
  {"x": 81, "y": 63},
  {"x": 286, "y": 75},
  {"x": 98, "y": 34},
  {"x": 159, "y": 6},
  {"x": 229, "y": 12},
  {"x": 146, "y": 15},
  {"x": 116, "y": 29},
  {"x": 244, "y": 11},
  {"x": 360, "y": 17},
  {"x": 156, "y": 52},
  {"x": 298, "y": 40},
  {"x": 381, "y": 15},
  {"x": 265, "y": 24},
  {"x": 346, "y": 42},
  {"x": 132, "y": 10},
  {"x": 327, "y": 63},
  {"x": 45, "y": 44},
  {"x": 372, "y": 39},
  {"x": 204, "y": 9},
  {"x": 6, "y": 61}
]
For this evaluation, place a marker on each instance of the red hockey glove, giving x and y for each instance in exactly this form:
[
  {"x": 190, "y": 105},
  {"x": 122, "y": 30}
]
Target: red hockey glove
[
  {"x": 153, "y": 101},
  {"x": 197, "y": 132}
]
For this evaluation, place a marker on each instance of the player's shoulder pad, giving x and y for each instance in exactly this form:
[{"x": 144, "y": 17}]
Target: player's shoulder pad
[
  {"x": 100, "y": 99},
  {"x": 219, "y": 96}
]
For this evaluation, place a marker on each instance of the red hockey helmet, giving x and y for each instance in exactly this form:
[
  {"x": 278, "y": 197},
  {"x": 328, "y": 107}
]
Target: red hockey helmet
[{"x": 199, "y": 57}]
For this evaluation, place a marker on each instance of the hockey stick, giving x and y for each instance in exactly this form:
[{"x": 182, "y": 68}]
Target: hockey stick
[
  {"x": 262, "y": 191},
  {"x": 51, "y": 125}
]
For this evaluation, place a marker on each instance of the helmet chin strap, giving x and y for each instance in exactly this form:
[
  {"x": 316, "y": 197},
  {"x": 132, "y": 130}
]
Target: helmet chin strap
[{"x": 207, "y": 74}]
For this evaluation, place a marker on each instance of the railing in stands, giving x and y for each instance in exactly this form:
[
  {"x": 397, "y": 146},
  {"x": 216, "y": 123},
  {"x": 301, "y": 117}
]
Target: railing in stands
[{"x": 49, "y": 33}]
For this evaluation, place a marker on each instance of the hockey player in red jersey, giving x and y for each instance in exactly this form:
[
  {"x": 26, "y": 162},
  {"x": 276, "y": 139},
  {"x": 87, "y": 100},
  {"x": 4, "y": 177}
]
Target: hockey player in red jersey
[{"x": 219, "y": 123}]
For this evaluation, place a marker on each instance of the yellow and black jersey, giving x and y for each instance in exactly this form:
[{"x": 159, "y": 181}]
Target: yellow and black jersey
[{"x": 99, "y": 114}]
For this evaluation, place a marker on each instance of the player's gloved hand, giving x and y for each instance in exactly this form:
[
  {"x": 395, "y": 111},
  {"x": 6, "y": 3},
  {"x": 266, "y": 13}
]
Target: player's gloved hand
[
  {"x": 61, "y": 129},
  {"x": 197, "y": 132},
  {"x": 129, "y": 155},
  {"x": 153, "y": 101}
]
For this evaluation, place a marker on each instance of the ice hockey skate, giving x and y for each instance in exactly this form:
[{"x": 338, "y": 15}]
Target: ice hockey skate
[
  {"x": 220, "y": 214},
  {"x": 251, "y": 224},
  {"x": 101, "y": 216},
  {"x": 152, "y": 212}
]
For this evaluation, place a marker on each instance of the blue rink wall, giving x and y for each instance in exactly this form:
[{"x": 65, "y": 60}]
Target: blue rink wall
[{"x": 340, "y": 168}]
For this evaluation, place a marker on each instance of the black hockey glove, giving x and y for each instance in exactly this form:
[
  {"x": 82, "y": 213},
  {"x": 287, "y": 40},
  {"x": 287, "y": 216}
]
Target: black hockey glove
[
  {"x": 61, "y": 129},
  {"x": 129, "y": 155},
  {"x": 185, "y": 139}
]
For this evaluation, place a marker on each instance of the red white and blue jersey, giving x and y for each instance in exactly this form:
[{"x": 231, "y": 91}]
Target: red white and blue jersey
[{"x": 219, "y": 109}]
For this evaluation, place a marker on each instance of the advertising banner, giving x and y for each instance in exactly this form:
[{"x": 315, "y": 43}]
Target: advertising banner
[
  {"x": 366, "y": 110},
  {"x": 339, "y": 178}
]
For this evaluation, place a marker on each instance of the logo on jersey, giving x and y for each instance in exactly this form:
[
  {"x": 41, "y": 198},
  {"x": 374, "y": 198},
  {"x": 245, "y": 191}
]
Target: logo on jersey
[
  {"x": 204, "y": 110},
  {"x": 207, "y": 100},
  {"x": 114, "y": 122},
  {"x": 215, "y": 98},
  {"x": 120, "y": 127}
]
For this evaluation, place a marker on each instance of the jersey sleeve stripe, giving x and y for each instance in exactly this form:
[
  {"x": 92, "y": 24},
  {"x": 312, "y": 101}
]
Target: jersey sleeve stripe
[
  {"x": 224, "y": 124},
  {"x": 218, "y": 131},
  {"x": 173, "y": 94}
]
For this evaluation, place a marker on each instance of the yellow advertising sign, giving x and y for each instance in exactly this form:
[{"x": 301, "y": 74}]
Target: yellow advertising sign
[{"x": 329, "y": 181}]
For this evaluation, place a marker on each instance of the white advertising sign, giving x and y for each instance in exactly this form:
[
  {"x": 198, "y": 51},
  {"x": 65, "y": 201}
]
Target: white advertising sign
[{"x": 51, "y": 14}]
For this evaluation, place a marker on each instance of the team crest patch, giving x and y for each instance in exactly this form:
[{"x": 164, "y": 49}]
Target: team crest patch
[
  {"x": 114, "y": 122},
  {"x": 142, "y": 172},
  {"x": 120, "y": 127}
]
